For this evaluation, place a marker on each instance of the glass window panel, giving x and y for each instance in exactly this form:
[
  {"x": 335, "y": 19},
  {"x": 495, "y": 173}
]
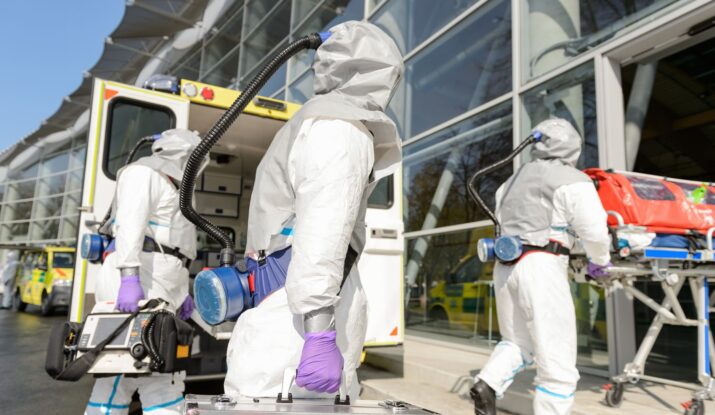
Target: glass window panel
[
  {"x": 29, "y": 171},
  {"x": 301, "y": 9},
  {"x": 571, "y": 96},
  {"x": 74, "y": 180},
  {"x": 592, "y": 334},
  {"x": 275, "y": 82},
  {"x": 382, "y": 196},
  {"x": 468, "y": 66},
  {"x": 447, "y": 160},
  {"x": 21, "y": 190},
  {"x": 302, "y": 89},
  {"x": 225, "y": 40},
  {"x": 15, "y": 231},
  {"x": 189, "y": 67},
  {"x": 412, "y": 22},
  {"x": 557, "y": 31},
  {"x": 51, "y": 185},
  {"x": 69, "y": 227},
  {"x": 2, "y": 192},
  {"x": 17, "y": 211},
  {"x": 453, "y": 292},
  {"x": 331, "y": 13},
  {"x": 225, "y": 73},
  {"x": 71, "y": 204},
  {"x": 129, "y": 121},
  {"x": 78, "y": 157},
  {"x": 258, "y": 9},
  {"x": 48, "y": 207},
  {"x": 46, "y": 229},
  {"x": 264, "y": 39},
  {"x": 56, "y": 163}
]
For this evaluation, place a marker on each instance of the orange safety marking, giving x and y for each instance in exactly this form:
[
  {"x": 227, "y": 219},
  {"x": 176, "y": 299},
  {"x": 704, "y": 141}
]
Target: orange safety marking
[
  {"x": 109, "y": 93},
  {"x": 394, "y": 332}
]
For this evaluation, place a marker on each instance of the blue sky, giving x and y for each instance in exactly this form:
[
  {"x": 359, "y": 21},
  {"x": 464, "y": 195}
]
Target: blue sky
[{"x": 45, "y": 45}]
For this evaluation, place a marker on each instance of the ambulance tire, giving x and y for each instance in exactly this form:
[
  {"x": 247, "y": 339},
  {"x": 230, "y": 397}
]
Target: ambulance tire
[
  {"x": 46, "y": 308},
  {"x": 17, "y": 303}
]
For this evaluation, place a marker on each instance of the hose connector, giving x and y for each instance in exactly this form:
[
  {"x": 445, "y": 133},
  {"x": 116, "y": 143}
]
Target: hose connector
[{"x": 227, "y": 257}]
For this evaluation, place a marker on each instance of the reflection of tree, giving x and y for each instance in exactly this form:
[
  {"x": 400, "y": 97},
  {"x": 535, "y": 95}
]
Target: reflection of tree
[{"x": 459, "y": 207}]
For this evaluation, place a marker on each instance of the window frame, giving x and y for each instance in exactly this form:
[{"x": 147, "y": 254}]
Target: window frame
[{"x": 109, "y": 122}]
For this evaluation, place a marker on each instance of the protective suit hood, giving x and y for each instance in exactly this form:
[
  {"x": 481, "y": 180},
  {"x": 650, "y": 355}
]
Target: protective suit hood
[
  {"x": 171, "y": 151},
  {"x": 361, "y": 63},
  {"x": 562, "y": 142},
  {"x": 357, "y": 70}
]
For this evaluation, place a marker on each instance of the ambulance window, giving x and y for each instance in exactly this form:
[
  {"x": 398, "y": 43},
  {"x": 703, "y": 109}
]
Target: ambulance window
[
  {"x": 649, "y": 189},
  {"x": 128, "y": 121},
  {"x": 62, "y": 260},
  {"x": 383, "y": 195},
  {"x": 469, "y": 271}
]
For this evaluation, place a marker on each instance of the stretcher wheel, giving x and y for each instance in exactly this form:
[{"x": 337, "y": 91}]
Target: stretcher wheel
[
  {"x": 694, "y": 407},
  {"x": 614, "y": 394}
]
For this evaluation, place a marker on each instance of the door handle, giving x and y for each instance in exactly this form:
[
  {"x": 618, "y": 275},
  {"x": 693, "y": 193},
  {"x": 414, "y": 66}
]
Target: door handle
[{"x": 384, "y": 233}]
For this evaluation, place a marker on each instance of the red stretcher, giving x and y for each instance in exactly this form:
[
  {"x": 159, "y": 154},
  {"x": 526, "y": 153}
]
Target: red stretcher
[
  {"x": 676, "y": 219},
  {"x": 660, "y": 204}
]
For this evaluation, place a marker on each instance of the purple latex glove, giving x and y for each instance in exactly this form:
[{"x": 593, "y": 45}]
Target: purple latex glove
[
  {"x": 321, "y": 363},
  {"x": 130, "y": 292},
  {"x": 597, "y": 271},
  {"x": 186, "y": 308}
]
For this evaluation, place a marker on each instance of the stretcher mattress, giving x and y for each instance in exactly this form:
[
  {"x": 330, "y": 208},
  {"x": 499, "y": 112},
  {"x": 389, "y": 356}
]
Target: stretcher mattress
[{"x": 662, "y": 205}]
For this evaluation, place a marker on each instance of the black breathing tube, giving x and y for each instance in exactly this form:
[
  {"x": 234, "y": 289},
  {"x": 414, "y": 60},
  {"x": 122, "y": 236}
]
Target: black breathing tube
[
  {"x": 196, "y": 159},
  {"x": 472, "y": 184}
]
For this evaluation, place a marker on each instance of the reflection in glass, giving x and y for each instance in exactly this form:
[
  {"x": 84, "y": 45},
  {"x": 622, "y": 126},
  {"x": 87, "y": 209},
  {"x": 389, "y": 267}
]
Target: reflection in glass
[
  {"x": 265, "y": 38},
  {"x": 227, "y": 38},
  {"x": 29, "y": 171},
  {"x": 78, "y": 157},
  {"x": 453, "y": 291},
  {"x": 17, "y": 211},
  {"x": 302, "y": 89},
  {"x": 15, "y": 231},
  {"x": 21, "y": 190},
  {"x": 48, "y": 207},
  {"x": 129, "y": 122},
  {"x": 69, "y": 227},
  {"x": 571, "y": 96},
  {"x": 592, "y": 334},
  {"x": 189, "y": 67},
  {"x": 52, "y": 185},
  {"x": 411, "y": 22},
  {"x": 436, "y": 170},
  {"x": 329, "y": 14},
  {"x": 467, "y": 67},
  {"x": 56, "y": 163},
  {"x": 224, "y": 74},
  {"x": 71, "y": 204},
  {"x": 46, "y": 229},
  {"x": 557, "y": 31}
]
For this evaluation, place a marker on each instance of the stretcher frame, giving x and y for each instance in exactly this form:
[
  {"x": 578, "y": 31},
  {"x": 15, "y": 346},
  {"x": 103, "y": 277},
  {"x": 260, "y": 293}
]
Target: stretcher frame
[{"x": 673, "y": 268}]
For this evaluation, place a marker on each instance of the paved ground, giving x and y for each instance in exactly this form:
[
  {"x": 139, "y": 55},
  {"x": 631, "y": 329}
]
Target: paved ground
[{"x": 25, "y": 388}]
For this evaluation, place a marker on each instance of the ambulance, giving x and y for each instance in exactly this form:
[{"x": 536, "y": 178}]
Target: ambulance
[{"x": 122, "y": 114}]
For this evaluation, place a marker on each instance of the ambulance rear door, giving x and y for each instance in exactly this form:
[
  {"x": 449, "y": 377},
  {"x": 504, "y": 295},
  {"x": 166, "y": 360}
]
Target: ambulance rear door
[
  {"x": 120, "y": 115},
  {"x": 381, "y": 264}
]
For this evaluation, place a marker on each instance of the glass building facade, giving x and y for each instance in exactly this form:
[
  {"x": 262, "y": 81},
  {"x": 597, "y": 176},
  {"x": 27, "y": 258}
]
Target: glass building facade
[{"x": 479, "y": 74}]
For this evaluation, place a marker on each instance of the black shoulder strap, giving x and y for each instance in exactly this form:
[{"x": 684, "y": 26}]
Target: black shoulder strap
[
  {"x": 79, "y": 367},
  {"x": 350, "y": 258}
]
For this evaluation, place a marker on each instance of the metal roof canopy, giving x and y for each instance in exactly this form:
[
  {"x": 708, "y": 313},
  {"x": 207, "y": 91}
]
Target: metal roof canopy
[{"x": 144, "y": 28}]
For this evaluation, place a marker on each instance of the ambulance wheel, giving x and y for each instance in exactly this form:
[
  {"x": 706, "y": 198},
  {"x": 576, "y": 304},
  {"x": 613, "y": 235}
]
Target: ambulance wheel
[
  {"x": 17, "y": 303},
  {"x": 694, "y": 407},
  {"x": 614, "y": 395},
  {"x": 46, "y": 308}
]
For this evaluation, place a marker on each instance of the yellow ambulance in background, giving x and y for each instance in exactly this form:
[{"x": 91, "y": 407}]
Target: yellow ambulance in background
[{"x": 44, "y": 278}]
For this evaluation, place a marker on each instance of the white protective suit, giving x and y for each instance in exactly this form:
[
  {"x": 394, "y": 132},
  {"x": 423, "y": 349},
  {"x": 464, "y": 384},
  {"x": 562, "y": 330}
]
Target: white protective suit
[
  {"x": 311, "y": 193},
  {"x": 8, "y": 279},
  {"x": 535, "y": 309},
  {"x": 147, "y": 204}
]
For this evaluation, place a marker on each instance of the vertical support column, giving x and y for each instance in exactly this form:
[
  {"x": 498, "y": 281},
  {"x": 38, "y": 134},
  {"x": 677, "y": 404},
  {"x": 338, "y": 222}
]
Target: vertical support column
[
  {"x": 549, "y": 22},
  {"x": 637, "y": 109},
  {"x": 701, "y": 297}
]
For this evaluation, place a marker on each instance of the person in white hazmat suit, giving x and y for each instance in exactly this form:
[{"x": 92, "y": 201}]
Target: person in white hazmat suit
[
  {"x": 8, "y": 278},
  {"x": 309, "y": 198},
  {"x": 545, "y": 202},
  {"x": 153, "y": 246}
]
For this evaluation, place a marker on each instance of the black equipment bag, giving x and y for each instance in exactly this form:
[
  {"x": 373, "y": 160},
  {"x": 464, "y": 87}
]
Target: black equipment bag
[{"x": 167, "y": 340}]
